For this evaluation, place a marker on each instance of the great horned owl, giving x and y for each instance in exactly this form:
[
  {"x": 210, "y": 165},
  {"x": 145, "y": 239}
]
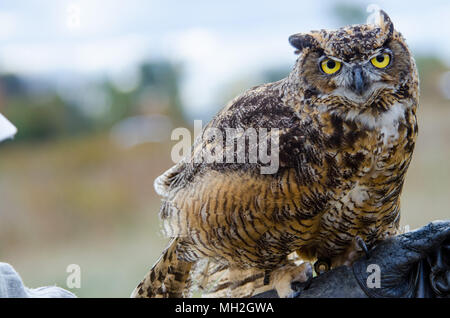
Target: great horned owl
[{"x": 347, "y": 124}]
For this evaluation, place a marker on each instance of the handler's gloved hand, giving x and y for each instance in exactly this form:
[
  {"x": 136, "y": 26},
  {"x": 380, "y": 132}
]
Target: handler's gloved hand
[{"x": 414, "y": 264}]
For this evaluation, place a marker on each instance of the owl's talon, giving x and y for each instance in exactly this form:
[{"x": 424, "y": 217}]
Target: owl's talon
[
  {"x": 267, "y": 277},
  {"x": 299, "y": 287},
  {"x": 363, "y": 246},
  {"x": 322, "y": 265},
  {"x": 292, "y": 279}
]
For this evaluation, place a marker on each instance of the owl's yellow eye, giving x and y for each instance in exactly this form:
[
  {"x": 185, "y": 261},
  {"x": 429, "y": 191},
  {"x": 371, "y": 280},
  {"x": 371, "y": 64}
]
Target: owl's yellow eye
[
  {"x": 330, "y": 66},
  {"x": 381, "y": 60}
]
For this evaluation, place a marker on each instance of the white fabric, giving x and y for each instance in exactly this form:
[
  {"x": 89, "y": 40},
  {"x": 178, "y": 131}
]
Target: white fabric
[{"x": 7, "y": 130}]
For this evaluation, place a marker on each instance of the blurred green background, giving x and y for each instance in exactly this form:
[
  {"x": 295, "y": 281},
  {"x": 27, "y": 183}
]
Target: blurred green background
[{"x": 76, "y": 184}]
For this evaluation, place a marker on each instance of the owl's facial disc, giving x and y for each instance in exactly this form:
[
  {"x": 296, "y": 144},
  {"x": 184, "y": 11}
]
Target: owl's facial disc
[
  {"x": 360, "y": 79},
  {"x": 361, "y": 66}
]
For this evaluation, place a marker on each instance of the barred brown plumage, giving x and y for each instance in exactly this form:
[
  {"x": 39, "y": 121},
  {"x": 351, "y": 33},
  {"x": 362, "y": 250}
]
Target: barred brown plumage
[{"x": 343, "y": 155}]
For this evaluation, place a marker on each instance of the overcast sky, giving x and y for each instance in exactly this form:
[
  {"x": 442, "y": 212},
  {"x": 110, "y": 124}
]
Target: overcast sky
[{"x": 217, "y": 41}]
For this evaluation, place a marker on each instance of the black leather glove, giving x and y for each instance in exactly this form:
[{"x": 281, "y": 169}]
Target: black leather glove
[{"x": 414, "y": 264}]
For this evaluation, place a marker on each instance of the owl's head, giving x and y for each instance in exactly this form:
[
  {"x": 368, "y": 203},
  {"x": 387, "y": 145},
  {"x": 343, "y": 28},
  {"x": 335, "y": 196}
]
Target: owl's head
[{"x": 355, "y": 67}]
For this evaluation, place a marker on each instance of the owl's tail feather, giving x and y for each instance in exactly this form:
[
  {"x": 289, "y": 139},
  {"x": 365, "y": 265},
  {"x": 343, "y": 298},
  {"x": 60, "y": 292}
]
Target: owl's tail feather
[
  {"x": 234, "y": 283},
  {"x": 167, "y": 278},
  {"x": 225, "y": 282}
]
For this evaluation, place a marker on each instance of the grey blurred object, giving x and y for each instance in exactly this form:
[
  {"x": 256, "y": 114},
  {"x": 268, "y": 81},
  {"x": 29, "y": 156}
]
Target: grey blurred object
[
  {"x": 11, "y": 286},
  {"x": 411, "y": 265}
]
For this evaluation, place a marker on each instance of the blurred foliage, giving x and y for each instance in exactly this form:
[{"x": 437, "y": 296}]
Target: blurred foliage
[
  {"x": 430, "y": 69},
  {"x": 163, "y": 78},
  {"x": 46, "y": 114},
  {"x": 12, "y": 85},
  {"x": 38, "y": 120}
]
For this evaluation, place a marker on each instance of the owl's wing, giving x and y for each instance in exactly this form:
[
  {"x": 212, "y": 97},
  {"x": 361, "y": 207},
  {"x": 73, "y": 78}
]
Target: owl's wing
[
  {"x": 196, "y": 191},
  {"x": 182, "y": 173},
  {"x": 201, "y": 197},
  {"x": 259, "y": 107}
]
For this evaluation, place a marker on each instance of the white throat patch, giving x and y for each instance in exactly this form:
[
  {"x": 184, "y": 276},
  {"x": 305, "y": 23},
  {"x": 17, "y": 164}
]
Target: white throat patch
[{"x": 387, "y": 123}]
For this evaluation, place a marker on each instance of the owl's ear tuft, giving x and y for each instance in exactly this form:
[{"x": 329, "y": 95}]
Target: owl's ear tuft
[
  {"x": 386, "y": 24},
  {"x": 301, "y": 41}
]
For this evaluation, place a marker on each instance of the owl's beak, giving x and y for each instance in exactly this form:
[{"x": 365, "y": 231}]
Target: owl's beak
[{"x": 359, "y": 81}]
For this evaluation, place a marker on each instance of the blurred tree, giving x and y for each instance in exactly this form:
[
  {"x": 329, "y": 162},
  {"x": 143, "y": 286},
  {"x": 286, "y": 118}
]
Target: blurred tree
[
  {"x": 11, "y": 85},
  {"x": 37, "y": 120},
  {"x": 44, "y": 114},
  {"x": 157, "y": 91},
  {"x": 163, "y": 80},
  {"x": 430, "y": 69}
]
